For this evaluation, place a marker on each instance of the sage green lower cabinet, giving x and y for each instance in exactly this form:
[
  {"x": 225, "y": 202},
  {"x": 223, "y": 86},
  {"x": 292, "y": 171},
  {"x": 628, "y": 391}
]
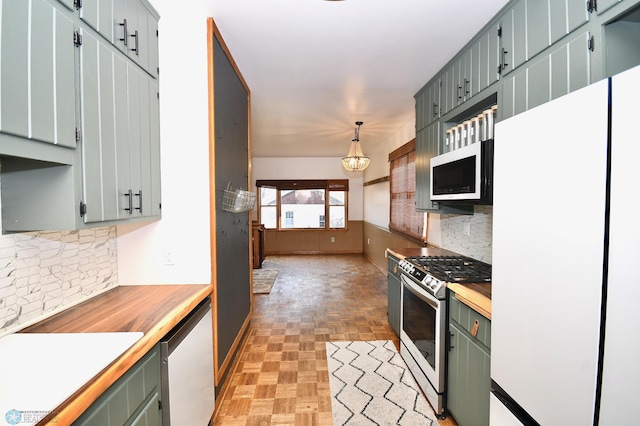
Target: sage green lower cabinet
[
  {"x": 134, "y": 399},
  {"x": 469, "y": 380},
  {"x": 394, "y": 293}
]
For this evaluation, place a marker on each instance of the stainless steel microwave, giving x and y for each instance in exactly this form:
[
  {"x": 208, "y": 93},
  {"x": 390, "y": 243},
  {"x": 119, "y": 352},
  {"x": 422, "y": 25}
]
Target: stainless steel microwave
[{"x": 464, "y": 175}]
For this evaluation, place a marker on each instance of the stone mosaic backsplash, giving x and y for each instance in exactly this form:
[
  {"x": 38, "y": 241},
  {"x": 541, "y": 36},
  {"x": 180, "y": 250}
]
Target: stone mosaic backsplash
[
  {"x": 42, "y": 273},
  {"x": 477, "y": 244}
]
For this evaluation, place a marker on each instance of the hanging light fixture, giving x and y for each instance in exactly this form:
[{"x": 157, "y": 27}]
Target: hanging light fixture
[{"x": 355, "y": 161}]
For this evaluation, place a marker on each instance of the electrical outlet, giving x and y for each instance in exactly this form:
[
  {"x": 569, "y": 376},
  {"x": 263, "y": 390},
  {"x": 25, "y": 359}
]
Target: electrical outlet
[
  {"x": 368, "y": 240},
  {"x": 467, "y": 229},
  {"x": 168, "y": 258},
  {"x": 333, "y": 239}
]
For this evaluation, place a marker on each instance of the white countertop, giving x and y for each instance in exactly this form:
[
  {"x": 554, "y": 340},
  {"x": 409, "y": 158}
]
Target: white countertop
[{"x": 40, "y": 371}]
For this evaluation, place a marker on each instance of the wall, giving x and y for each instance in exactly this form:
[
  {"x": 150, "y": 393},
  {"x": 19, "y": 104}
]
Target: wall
[
  {"x": 477, "y": 244},
  {"x": 176, "y": 249}
]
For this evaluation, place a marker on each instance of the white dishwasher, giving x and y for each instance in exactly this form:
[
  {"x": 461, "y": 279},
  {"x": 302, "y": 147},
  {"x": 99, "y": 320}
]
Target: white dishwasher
[{"x": 188, "y": 394}]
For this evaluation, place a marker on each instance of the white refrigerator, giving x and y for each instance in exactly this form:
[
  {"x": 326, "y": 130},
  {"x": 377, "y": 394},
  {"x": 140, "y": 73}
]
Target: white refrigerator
[{"x": 565, "y": 309}]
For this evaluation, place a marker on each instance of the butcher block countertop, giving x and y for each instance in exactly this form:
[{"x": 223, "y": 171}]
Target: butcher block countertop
[
  {"x": 152, "y": 310},
  {"x": 476, "y": 296}
]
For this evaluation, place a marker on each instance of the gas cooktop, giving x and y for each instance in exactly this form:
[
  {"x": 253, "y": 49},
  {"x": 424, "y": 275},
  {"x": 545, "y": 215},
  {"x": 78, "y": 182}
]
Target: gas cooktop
[{"x": 454, "y": 269}]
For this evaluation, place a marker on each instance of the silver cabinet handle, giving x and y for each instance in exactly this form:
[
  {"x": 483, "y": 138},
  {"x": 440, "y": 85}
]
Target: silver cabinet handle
[
  {"x": 136, "y": 48},
  {"x": 124, "y": 39}
]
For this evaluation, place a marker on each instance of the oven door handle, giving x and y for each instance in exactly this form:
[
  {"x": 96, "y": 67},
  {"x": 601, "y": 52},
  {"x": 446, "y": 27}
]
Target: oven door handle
[{"x": 423, "y": 295}]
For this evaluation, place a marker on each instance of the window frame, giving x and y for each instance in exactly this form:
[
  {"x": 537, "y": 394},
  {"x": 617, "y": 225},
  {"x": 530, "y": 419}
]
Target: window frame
[
  {"x": 327, "y": 185},
  {"x": 408, "y": 152}
]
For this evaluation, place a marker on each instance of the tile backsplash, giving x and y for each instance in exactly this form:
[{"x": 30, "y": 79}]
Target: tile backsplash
[
  {"x": 477, "y": 244},
  {"x": 42, "y": 273}
]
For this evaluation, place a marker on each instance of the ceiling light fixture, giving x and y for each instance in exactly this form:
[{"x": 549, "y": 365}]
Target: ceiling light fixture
[{"x": 355, "y": 161}]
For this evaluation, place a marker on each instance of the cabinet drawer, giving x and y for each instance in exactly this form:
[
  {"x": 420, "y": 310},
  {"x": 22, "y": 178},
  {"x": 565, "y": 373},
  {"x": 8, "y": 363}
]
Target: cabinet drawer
[{"x": 466, "y": 319}]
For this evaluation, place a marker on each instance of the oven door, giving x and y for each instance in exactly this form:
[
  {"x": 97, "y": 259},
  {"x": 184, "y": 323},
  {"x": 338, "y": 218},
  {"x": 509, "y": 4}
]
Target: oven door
[{"x": 423, "y": 330}]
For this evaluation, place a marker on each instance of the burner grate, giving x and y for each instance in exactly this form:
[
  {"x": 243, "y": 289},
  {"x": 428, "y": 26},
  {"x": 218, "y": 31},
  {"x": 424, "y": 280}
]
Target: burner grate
[{"x": 458, "y": 269}]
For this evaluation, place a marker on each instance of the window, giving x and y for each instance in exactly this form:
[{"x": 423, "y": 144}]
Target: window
[
  {"x": 404, "y": 217},
  {"x": 303, "y": 204}
]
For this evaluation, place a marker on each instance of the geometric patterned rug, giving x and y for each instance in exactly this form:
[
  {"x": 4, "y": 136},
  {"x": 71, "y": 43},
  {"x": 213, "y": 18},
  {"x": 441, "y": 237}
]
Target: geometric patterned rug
[
  {"x": 263, "y": 280},
  {"x": 371, "y": 385}
]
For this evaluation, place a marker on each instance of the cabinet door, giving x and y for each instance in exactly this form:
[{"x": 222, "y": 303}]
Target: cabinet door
[
  {"x": 122, "y": 138},
  {"x": 98, "y": 14},
  {"x": 487, "y": 59},
  {"x": 513, "y": 40},
  {"x": 425, "y": 149},
  {"x": 68, "y": 3},
  {"x": 539, "y": 81},
  {"x": 98, "y": 127},
  {"x": 435, "y": 101},
  {"x": 122, "y": 25},
  {"x": 570, "y": 64},
  {"x": 577, "y": 14},
  {"x": 137, "y": 137},
  {"x": 514, "y": 94},
  {"x": 469, "y": 382},
  {"x": 143, "y": 197},
  {"x": 604, "y": 5},
  {"x": 154, "y": 143},
  {"x": 394, "y": 294},
  {"x": 467, "y": 74},
  {"x": 37, "y": 72},
  {"x": 422, "y": 102},
  {"x": 133, "y": 148},
  {"x": 538, "y": 27},
  {"x": 136, "y": 33}
]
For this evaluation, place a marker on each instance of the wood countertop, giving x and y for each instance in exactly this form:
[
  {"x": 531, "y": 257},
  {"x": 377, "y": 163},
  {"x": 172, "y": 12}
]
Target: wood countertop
[
  {"x": 151, "y": 309},
  {"x": 476, "y": 296}
]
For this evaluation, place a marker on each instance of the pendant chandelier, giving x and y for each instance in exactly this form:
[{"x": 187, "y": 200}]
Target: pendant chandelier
[{"x": 355, "y": 161}]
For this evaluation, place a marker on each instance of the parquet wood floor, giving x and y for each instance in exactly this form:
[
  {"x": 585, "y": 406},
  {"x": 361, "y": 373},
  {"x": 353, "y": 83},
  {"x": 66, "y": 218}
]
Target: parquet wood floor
[{"x": 282, "y": 375}]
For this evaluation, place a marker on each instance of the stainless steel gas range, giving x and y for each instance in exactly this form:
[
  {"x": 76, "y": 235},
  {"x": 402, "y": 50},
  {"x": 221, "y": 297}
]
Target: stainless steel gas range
[{"x": 424, "y": 316}]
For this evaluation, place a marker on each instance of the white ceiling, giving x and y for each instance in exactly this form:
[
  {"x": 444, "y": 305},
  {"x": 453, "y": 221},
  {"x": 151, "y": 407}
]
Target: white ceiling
[{"x": 315, "y": 67}]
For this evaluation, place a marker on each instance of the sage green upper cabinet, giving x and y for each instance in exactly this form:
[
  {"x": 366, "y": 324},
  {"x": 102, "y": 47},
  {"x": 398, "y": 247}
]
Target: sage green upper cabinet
[
  {"x": 566, "y": 68},
  {"x": 604, "y": 5},
  {"x": 565, "y": 16},
  {"x": 69, "y": 3},
  {"x": 538, "y": 25},
  {"x": 460, "y": 80},
  {"x": 428, "y": 103},
  {"x": 427, "y": 146},
  {"x": 120, "y": 135},
  {"x": 422, "y": 108},
  {"x": 137, "y": 143},
  {"x": 485, "y": 58},
  {"x": 98, "y": 14},
  {"x": 577, "y": 13},
  {"x": 37, "y": 73},
  {"x": 98, "y": 129},
  {"x": 513, "y": 37},
  {"x": 136, "y": 33}
]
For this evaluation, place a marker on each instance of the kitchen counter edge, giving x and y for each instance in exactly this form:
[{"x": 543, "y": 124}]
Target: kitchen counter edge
[
  {"x": 173, "y": 303},
  {"x": 475, "y": 296}
]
